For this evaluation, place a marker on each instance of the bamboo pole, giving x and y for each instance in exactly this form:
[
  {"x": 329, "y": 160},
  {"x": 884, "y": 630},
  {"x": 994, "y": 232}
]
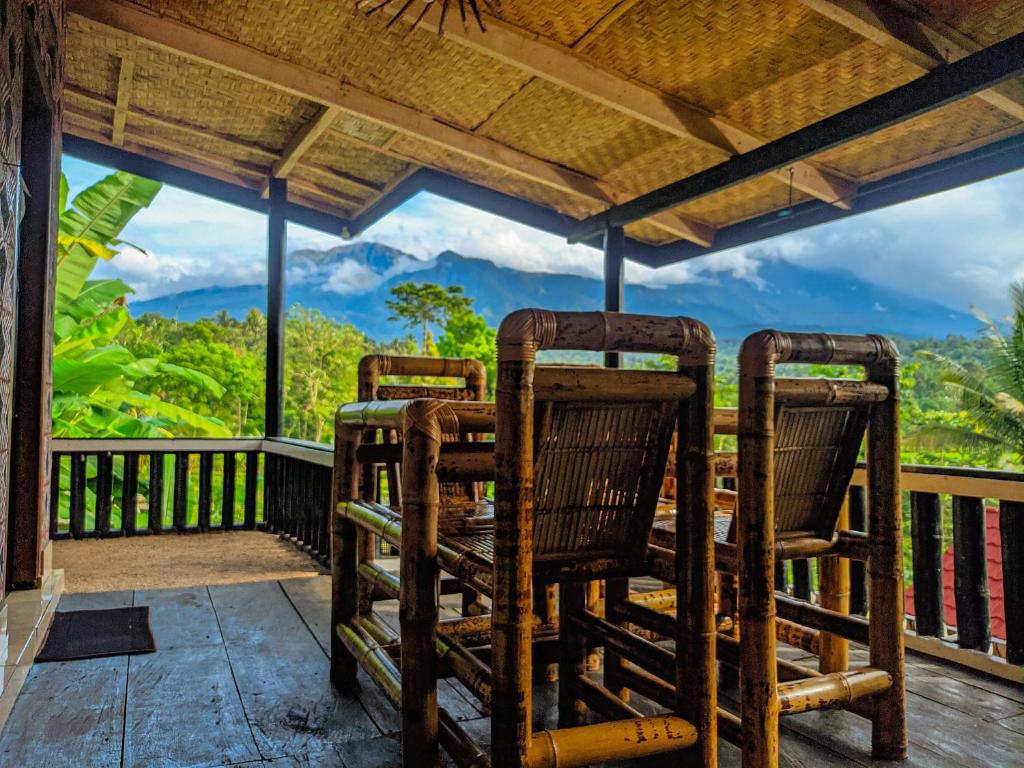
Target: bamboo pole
[
  {"x": 831, "y": 691},
  {"x": 512, "y": 601},
  {"x": 418, "y": 605},
  {"x": 344, "y": 557},
  {"x": 759, "y": 701},
  {"x": 601, "y": 742},
  {"x": 885, "y": 524},
  {"x": 834, "y": 651},
  {"x": 695, "y": 665}
]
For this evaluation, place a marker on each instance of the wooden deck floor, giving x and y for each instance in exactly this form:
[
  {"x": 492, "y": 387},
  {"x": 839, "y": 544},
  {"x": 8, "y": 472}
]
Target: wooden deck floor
[{"x": 241, "y": 678}]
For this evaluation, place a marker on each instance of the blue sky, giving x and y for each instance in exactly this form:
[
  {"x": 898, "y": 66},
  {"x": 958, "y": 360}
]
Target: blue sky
[{"x": 960, "y": 248}]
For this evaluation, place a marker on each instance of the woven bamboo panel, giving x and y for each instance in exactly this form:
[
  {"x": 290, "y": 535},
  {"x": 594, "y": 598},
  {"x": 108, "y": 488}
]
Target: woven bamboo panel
[
  {"x": 482, "y": 173},
  {"x": 173, "y": 87},
  {"x": 419, "y": 69},
  {"x": 233, "y": 157},
  {"x": 564, "y": 21},
  {"x": 334, "y": 192},
  {"x": 92, "y": 60},
  {"x": 851, "y": 77},
  {"x": 335, "y": 152},
  {"x": 743, "y": 201},
  {"x": 550, "y": 122},
  {"x": 714, "y": 52},
  {"x": 925, "y": 139},
  {"x": 364, "y": 130},
  {"x": 984, "y": 21},
  {"x": 665, "y": 163}
]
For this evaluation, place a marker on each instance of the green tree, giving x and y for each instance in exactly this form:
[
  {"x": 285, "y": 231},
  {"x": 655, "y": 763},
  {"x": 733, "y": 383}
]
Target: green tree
[
  {"x": 321, "y": 369},
  {"x": 95, "y": 379},
  {"x": 991, "y": 396},
  {"x": 420, "y": 305},
  {"x": 466, "y": 334}
]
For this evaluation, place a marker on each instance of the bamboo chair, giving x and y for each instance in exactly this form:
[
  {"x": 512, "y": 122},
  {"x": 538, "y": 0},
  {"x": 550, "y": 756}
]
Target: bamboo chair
[
  {"x": 578, "y": 463},
  {"x": 461, "y": 501},
  {"x": 798, "y": 445}
]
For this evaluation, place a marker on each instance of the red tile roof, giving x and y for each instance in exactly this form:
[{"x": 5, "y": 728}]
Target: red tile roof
[{"x": 994, "y": 558}]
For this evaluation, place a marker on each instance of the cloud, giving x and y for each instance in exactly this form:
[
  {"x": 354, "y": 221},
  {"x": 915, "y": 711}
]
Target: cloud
[{"x": 959, "y": 248}]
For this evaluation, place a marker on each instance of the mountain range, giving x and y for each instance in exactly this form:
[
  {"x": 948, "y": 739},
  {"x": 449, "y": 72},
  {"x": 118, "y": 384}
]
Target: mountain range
[{"x": 351, "y": 283}]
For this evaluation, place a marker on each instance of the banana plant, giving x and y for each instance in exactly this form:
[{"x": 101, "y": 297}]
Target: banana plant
[{"x": 95, "y": 377}]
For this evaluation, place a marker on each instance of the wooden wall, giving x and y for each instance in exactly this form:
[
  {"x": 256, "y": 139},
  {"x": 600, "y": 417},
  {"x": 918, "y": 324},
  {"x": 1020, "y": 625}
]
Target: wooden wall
[{"x": 32, "y": 34}]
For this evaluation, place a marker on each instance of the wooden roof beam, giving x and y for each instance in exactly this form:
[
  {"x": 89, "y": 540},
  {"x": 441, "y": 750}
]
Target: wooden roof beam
[
  {"x": 125, "y": 78},
  {"x": 935, "y": 89},
  {"x": 562, "y": 66},
  {"x": 301, "y": 143},
  {"x": 229, "y": 56},
  {"x": 923, "y": 41}
]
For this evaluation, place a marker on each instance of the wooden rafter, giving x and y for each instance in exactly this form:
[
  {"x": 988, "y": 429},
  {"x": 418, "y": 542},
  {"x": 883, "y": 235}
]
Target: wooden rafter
[
  {"x": 125, "y": 79},
  {"x": 76, "y": 93},
  {"x": 979, "y": 71},
  {"x": 923, "y": 41},
  {"x": 301, "y": 142},
  {"x": 564, "y": 67},
  {"x": 239, "y": 59}
]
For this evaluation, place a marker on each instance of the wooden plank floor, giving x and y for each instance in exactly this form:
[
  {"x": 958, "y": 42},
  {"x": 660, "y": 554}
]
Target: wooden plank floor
[{"x": 241, "y": 678}]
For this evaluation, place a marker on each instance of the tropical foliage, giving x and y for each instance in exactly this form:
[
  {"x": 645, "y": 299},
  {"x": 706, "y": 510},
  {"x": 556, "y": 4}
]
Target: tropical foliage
[
  {"x": 98, "y": 383},
  {"x": 991, "y": 396}
]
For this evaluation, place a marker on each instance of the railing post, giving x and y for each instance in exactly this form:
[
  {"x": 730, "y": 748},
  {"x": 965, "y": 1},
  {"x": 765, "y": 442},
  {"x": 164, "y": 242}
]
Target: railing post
[
  {"x": 276, "y": 243},
  {"x": 180, "y": 500},
  {"x": 156, "y": 492},
  {"x": 971, "y": 575},
  {"x": 926, "y": 540},
  {"x": 1011, "y": 531},
  {"x": 129, "y": 492}
]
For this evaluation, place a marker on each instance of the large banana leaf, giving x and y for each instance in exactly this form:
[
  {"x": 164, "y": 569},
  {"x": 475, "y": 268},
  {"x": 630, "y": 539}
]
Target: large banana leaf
[
  {"x": 95, "y": 298},
  {"x": 93, "y": 369},
  {"x": 99, "y": 213},
  {"x": 198, "y": 378}
]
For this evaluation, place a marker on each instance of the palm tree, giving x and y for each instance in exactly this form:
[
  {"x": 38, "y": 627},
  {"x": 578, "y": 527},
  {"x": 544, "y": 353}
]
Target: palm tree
[{"x": 993, "y": 397}]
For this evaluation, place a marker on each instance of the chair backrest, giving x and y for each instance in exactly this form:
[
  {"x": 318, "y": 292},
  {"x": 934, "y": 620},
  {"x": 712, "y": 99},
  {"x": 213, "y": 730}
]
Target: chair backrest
[
  {"x": 581, "y": 451},
  {"x": 818, "y": 426},
  {"x": 372, "y": 368}
]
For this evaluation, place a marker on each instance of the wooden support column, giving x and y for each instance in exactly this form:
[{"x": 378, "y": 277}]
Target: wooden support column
[
  {"x": 616, "y": 590},
  {"x": 276, "y": 244},
  {"x": 614, "y": 281},
  {"x": 33, "y": 362}
]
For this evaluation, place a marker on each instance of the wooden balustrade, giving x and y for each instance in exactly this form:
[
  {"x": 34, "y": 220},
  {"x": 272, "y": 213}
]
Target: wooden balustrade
[
  {"x": 103, "y": 488},
  {"x": 107, "y": 488}
]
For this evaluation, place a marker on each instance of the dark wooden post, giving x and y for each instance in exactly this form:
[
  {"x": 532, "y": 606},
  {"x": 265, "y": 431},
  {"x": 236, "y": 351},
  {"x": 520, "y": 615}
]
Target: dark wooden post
[
  {"x": 926, "y": 537},
  {"x": 616, "y": 590},
  {"x": 970, "y": 583},
  {"x": 33, "y": 356},
  {"x": 1011, "y": 530},
  {"x": 276, "y": 243},
  {"x": 614, "y": 281}
]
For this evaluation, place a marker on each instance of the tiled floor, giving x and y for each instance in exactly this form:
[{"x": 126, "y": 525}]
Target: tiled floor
[{"x": 241, "y": 678}]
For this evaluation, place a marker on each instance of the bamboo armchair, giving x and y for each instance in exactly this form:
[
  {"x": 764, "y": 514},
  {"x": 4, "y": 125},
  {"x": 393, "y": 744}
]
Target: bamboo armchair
[
  {"x": 579, "y": 456},
  {"x": 798, "y": 445},
  {"x": 460, "y": 500}
]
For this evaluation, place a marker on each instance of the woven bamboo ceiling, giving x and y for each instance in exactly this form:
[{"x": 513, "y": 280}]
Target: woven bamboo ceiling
[{"x": 572, "y": 104}]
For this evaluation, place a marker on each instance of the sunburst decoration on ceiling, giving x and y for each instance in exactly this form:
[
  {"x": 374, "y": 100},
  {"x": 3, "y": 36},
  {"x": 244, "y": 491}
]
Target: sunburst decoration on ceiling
[{"x": 371, "y": 7}]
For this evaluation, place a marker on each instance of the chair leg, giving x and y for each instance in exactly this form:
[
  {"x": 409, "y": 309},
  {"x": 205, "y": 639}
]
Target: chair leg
[
  {"x": 885, "y": 635},
  {"x": 728, "y": 675},
  {"x": 344, "y": 576},
  {"x": 545, "y": 607},
  {"x": 572, "y": 661},
  {"x": 616, "y": 592}
]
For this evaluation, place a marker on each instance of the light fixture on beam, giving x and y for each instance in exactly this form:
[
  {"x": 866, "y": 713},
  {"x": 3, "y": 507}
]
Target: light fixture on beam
[{"x": 371, "y": 7}]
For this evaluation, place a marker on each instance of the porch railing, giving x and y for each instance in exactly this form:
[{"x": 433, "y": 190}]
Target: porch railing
[
  {"x": 103, "y": 488},
  {"x": 109, "y": 488},
  {"x": 963, "y": 508}
]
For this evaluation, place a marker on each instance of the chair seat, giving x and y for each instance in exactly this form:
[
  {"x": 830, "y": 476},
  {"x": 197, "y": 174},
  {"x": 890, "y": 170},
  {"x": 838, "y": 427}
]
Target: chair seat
[{"x": 663, "y": 533}]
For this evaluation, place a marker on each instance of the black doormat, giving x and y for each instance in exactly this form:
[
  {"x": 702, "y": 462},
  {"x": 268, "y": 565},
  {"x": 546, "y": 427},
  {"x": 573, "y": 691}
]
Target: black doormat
[{"x": 90, "y": 634}]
